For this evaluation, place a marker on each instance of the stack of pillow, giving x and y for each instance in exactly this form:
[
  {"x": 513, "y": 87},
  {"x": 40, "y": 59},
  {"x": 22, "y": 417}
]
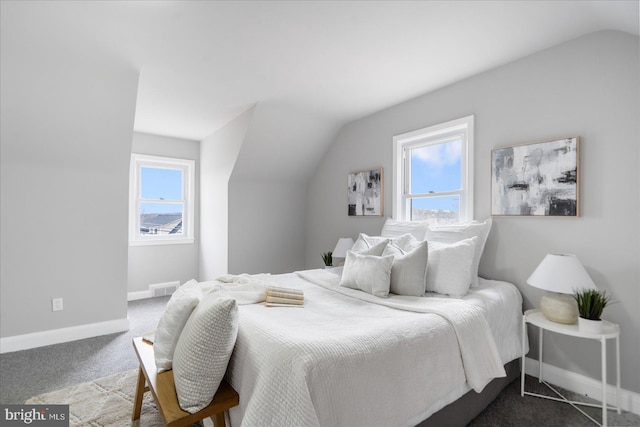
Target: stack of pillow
[
  {"x": 411, "y": 258},
  {"x": 195, "y": 337}
]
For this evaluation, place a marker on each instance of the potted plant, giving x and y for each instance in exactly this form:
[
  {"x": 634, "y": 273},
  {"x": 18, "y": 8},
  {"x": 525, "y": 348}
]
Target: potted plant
[
  {"x": 327, "y": 258},
  {"x": 591, "y": 302}
]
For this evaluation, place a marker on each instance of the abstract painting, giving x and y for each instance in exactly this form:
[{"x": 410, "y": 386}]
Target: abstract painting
[
  {"x": 364, "y": 193},
  {"x": 538, "y": 179}
]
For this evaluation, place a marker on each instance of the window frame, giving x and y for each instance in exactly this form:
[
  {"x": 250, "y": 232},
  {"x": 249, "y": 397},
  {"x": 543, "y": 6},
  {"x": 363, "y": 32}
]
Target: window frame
[
  {"x": 432, "y": 135},
  {"x": 139, "y": 161}
]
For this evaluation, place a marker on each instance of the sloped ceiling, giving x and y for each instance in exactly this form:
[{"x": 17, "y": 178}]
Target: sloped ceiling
[{"x": 309, "y": 66}]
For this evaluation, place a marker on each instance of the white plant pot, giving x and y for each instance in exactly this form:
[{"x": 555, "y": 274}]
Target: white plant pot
[
  {"x": 590, "y": 326},
  {"x": 328, "y": 266}
]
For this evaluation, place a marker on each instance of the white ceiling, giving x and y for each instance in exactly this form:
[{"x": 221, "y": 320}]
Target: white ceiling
[{"x": 204, "y": 62}]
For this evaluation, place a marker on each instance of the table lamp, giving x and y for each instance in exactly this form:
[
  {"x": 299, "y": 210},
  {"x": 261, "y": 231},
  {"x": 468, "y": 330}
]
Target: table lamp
[
  {"x": 343, "y": 245},
  {"x": 562, "y": 275}
]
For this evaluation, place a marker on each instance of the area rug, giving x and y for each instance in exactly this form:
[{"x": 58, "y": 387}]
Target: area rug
[{"x": 104, "y": 402}]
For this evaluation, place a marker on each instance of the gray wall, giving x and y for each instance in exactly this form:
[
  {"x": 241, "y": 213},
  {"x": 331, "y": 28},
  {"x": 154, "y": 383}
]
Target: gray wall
[
  {"x": 66, "y": 129},
  {"x": 165, "y": 263},
  {"x": 587, "y": 87},
  {"x": 282, "y": 146},
  {"x": 266, "y": 226},
  {"x": 218, "y": 154}
]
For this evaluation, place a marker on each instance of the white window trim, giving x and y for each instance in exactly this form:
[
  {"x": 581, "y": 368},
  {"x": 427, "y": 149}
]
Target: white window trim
[
  {"x": 188, "y": 167},
  {"x": 464, "y": 125}
]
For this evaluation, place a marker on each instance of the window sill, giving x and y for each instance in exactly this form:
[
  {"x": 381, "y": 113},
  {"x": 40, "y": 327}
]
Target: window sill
[{"x": 160, "y": 242}]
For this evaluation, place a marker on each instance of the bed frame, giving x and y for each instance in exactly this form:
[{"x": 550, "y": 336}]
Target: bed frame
[{"x": 462, "y": 411}]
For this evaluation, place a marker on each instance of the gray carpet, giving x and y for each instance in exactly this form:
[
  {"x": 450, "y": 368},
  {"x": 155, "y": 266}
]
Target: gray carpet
[
  {"x": 510, "y": 409},
  {"x": 32, "y": 372}
]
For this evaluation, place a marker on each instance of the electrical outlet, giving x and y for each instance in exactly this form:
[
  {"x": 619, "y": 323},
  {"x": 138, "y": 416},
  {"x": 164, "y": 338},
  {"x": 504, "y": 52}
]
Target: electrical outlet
[{"x": 56, "y": 304}]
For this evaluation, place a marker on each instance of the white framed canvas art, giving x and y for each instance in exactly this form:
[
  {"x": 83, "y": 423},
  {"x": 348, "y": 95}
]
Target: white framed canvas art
[{"x": 536, "y": 179}]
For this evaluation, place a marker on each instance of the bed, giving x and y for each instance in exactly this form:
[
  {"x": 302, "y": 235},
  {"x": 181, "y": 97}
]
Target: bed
[
  {"x": 349, "y": 358},
  {"x": 405, "y": 334}
]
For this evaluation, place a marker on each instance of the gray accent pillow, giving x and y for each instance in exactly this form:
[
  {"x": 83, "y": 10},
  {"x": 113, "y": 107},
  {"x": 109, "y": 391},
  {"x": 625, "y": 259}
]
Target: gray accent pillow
[
  {"x": 367, "y": 273},
  {"x": 409, "y": 270},
  {"x": 203, "y": 351}
]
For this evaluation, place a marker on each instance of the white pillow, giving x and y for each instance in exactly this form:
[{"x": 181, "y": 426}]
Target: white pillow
[
  {"x": 449, "y": 267},
  {"x": 368, "y": 273},
  {"x": 178, "y": 310},
  {"x": 369, "y": 245},
  {"x": 204, "y": 350},
  {"x": 409, "y": 269},
  {"x": 366, "y": 243},
  {"x": 407, "y": 242},
  {"x": 392, "y": 228},
  {"x": 457, "y": 232}
]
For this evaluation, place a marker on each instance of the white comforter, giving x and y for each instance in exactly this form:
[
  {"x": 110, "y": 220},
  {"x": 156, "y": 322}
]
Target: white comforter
[{"x": 343, "y": 361}]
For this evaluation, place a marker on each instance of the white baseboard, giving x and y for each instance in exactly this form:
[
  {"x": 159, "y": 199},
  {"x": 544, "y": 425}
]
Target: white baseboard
[
  {"x": 57, "y": 336},
  {"x": 577, "y": 383},
  {"x": 132, "y": 296}
]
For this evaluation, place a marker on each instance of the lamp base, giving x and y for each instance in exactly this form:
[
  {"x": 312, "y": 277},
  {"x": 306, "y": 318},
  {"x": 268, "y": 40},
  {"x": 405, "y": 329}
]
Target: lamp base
[{"x": 559, "y": 308}]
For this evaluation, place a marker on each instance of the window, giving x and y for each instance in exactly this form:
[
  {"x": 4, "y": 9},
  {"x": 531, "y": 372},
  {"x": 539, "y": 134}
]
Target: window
[
  {"x": 433, "y": 173},
  {"x": 161, "y": 206}
]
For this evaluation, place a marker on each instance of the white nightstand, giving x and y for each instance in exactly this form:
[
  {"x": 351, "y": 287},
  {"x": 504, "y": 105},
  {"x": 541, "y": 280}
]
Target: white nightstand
[{"x": 609, "y": 330}]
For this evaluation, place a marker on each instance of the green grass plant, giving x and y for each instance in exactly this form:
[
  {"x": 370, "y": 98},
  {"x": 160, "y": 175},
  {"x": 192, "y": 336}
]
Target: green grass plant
[
  {"x": 591, "y": 302},
  {"x": 327, "y": 258}
]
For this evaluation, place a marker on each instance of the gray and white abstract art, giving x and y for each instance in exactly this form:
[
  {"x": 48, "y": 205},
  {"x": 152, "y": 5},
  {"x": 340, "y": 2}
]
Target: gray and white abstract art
[
  {"x": 539, "y": 179},
  {"x": 364, "y": 193}
]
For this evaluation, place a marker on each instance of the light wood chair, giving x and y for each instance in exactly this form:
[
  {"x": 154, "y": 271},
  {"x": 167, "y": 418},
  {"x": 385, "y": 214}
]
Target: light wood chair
[{"x": 163, "y": 390}]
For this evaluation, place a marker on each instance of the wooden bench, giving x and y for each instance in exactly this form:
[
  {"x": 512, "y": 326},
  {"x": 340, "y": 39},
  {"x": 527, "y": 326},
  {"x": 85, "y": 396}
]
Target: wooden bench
[{"x": 163, "y": 390}]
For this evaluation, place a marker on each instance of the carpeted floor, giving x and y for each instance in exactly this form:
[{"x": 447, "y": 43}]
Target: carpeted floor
[
  {"x": 510, "y": 409},
  {"x": 30, "y": 373}
]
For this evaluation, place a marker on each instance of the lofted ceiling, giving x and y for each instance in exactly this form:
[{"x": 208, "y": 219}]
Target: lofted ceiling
[{"x": 202, "y": 63}]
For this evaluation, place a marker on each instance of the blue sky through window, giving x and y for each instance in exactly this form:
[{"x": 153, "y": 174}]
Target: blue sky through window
[
  {"x": 436, "y": 168},
  {"x": 161, "y": 184}
]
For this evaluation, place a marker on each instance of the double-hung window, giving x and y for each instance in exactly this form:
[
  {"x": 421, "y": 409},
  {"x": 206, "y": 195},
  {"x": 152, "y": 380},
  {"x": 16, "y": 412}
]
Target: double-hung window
[
  {"x": 161, "y": 206},
  {"x": 433, "y": 173}
]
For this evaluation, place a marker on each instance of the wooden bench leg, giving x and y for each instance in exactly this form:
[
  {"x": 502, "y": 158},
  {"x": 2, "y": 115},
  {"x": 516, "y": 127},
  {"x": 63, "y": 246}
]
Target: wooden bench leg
[
  {"x": 140, "y": 388},
  {"x": 218, "y": 419}
]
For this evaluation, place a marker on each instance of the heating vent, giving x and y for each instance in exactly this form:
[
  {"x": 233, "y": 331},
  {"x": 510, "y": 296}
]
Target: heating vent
[{"x": 162, "y": 289}]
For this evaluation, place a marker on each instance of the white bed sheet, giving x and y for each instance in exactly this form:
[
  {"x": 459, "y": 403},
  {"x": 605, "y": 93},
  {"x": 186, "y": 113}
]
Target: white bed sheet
[{"x": 364, "y": 364}]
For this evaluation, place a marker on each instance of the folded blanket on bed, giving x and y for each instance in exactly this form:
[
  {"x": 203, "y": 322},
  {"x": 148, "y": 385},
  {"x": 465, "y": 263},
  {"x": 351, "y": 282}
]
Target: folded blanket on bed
[
  {"x": 478, "y": 350},
  {"x": 244, "y": 288}
]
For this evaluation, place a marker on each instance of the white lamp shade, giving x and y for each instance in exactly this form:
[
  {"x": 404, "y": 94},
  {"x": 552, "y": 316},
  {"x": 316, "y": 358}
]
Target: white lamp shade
[
  {"x": 343, "y": 245},
  {"x": 562, "y": 273}
]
